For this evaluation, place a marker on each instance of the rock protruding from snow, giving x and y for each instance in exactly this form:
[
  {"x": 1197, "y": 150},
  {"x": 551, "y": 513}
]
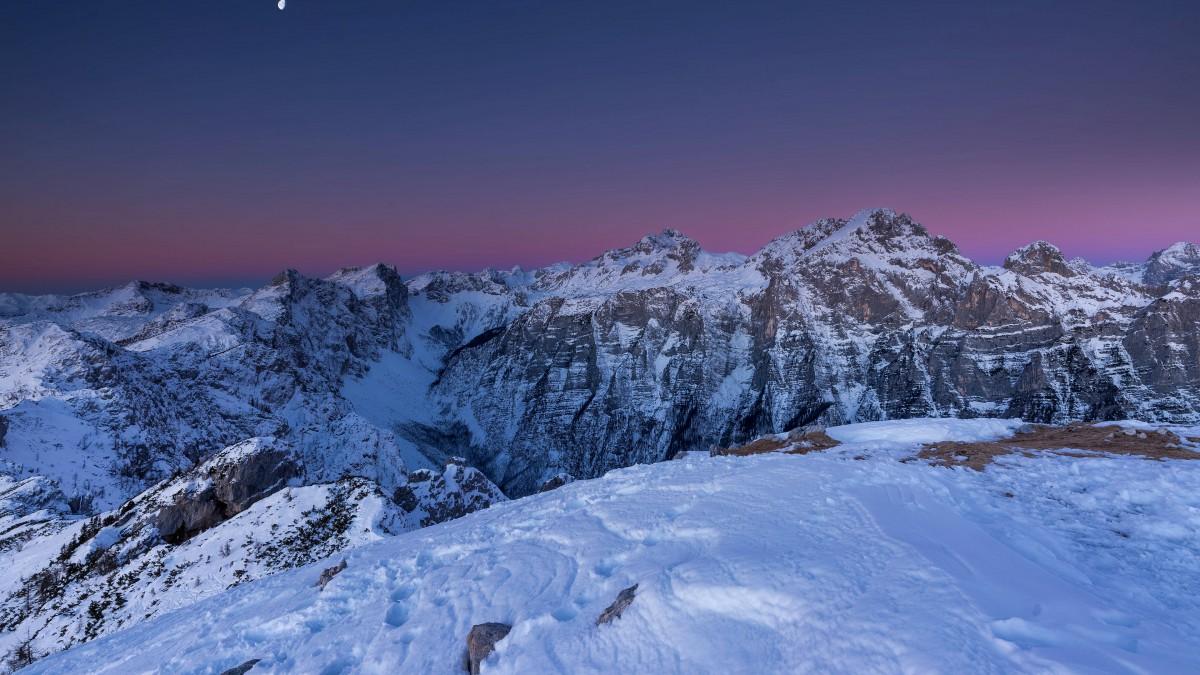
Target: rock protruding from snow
[
  {"x": 618, "y": 607},
  {"x": 329, "y": 573},
  {"x": 481, "y": 642},
  {"x": 556, "y": 481},
  {"x": 30, "y": 508},
  {"x": 247, "y": 666}
]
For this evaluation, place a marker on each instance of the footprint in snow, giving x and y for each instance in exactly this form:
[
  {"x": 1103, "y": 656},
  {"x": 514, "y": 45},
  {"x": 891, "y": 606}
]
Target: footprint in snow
[
  {"x": 397, "y": 615},
  {"x": 564, "y": 614},
  {"x": 605, "y": 568},
  {"x": 398, "y": 612}
]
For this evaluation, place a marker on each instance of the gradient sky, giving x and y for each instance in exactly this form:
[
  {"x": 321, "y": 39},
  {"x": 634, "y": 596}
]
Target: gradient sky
[{"x": 218, "y": 141}]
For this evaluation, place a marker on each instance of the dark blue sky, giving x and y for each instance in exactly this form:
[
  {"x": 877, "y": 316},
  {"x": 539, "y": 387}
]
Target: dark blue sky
[{"x": 208, "y": 142}]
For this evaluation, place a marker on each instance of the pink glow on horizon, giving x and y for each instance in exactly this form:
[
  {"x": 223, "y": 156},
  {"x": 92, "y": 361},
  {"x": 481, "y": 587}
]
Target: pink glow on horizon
[{"x": 247, "y": 241}]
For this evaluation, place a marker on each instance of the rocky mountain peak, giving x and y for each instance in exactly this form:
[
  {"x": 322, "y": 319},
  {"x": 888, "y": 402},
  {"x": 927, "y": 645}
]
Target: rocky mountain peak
[
  {"x": 441, "y": 286},
  {"x": 804, "y": 238},
  {"x": 1037, "y": 258},
  {"x": 669, "y": 243},
  {"x": 876, "y": 239},
  {"x": 651, "y": 255},
  {"x": 284, "y": 278},
  {"x": 1175, "y": 261},
  {"x": 878, "y": 230},
  {"x": 666, "y": 240}
]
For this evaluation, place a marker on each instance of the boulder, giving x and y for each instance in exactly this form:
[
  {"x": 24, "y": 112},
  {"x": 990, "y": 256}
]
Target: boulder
[{"x": 481, "y": 641}]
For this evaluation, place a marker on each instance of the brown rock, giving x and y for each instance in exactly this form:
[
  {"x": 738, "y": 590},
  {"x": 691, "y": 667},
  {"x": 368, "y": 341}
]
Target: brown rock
[
  {"x": 556, "y": 481},
  {"x": 481, "y": 641}
]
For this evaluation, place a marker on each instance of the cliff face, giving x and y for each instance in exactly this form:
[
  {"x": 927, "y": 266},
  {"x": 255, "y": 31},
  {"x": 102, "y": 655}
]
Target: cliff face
[{"x": 637, "y": 355}]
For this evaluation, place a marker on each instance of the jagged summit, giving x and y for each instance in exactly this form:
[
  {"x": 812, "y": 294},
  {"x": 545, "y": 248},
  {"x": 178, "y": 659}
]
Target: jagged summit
[
  {"x": 668, "y": 258},
  {"x": 377, "y": 279},
  {"x": 871, "y": 233},
  {"x": 668, "y": 243},
  {"x": 1037, "y": 258},
  {"x": 669, "y": 238},
  {"x": 885, "y": 230}
]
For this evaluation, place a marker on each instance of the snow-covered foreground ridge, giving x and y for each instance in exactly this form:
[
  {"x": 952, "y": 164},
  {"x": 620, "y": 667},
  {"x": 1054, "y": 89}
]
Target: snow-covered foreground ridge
[{"x": 847, "y": 560}]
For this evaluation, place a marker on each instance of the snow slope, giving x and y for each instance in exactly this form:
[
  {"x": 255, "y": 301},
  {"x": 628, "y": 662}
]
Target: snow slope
[{"x": 844, "y": 561}]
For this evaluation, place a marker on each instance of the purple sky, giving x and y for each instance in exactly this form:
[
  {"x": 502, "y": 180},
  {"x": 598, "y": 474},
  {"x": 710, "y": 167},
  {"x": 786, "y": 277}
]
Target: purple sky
[{"x": 217, "y": 143}]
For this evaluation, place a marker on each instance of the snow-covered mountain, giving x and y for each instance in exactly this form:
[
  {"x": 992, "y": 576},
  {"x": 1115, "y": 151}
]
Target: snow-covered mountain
[
  {"x": 852, "y": 560},
  {"x": 156, "y": 440},
  {"x": 659, "y": 348}
]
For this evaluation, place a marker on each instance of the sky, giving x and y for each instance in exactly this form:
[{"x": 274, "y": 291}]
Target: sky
[{"x": 219, "y": 142}]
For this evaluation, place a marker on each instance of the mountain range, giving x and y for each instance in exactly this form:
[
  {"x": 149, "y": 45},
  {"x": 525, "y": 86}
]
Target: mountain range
[{"x": 161, "y": 443}]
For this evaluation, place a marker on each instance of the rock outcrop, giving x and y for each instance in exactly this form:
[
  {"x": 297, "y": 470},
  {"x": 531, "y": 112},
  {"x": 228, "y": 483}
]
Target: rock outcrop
[
  {"x": 226, "y": 485},
  {"x": 432, "y": 498}
]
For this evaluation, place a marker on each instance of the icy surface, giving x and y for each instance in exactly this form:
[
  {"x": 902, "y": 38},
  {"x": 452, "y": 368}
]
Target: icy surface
[{"x": 843, "y": 561}]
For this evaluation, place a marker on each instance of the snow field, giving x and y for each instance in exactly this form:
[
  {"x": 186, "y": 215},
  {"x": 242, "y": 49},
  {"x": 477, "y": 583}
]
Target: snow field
[{"x": 774, "y": 563}]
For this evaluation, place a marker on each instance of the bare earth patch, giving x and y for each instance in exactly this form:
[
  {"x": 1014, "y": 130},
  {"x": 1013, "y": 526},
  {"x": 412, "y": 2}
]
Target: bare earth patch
[
  {"x": 797, "y": 442},
  {"x": 1073, "y": 440}
]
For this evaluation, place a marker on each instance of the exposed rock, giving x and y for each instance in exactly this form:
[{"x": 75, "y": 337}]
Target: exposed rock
[
  {"x": 481, "y": 641},
  {"x": 614, "y": 611},
  {"x": 241, "y": 669},
  {"x": 844, "y": 321},
  {"x": 3, "y": 430},
  {"x": 329, "y": 573},
  {"x": 189, "y": 515},
  {"x": 434, "y": 498},
  {"x": 29, "y": 508},
  {"x": 1172, "y": 263},
  {"x": 228, "y": 484},
  {"x": 1037, "y": 258},
  {"x": 556, "y": 481}
]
